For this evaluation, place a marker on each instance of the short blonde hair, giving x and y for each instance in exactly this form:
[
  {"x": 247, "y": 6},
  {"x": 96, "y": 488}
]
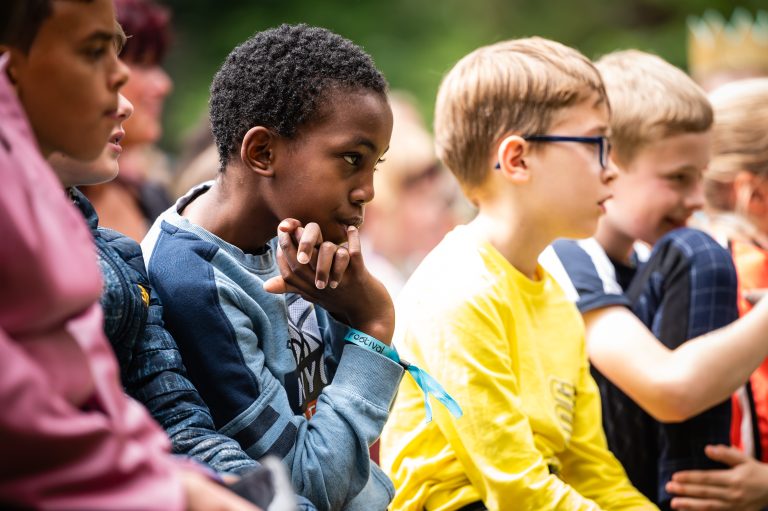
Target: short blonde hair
[
  {"x": 513, "y": 86},
  {"x": 739, "y": 134},
  {"x": 651, "y": 99}
]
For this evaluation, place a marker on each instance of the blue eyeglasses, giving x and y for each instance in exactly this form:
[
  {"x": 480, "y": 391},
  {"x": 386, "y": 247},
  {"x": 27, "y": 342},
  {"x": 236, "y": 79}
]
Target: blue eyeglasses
[{"x": 602, "y": 142}]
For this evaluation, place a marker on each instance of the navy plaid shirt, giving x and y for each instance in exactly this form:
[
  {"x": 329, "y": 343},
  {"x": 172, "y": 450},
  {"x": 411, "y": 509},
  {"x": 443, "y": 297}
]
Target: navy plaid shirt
[{"x": 686, "y": 288}]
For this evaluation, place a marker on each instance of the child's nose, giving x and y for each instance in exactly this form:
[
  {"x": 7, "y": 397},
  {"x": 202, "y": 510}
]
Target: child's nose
[
  {"x": 364, "y": 192},
  {"x": 695, "y": 198}
]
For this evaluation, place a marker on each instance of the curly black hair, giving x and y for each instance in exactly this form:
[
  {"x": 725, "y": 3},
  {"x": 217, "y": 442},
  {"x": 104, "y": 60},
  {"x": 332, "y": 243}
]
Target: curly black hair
[{"x": 277, "y": 78}]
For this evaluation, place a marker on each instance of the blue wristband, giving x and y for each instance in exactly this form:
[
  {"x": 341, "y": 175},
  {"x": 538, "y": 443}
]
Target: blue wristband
[{"x": 426, "y": 383}]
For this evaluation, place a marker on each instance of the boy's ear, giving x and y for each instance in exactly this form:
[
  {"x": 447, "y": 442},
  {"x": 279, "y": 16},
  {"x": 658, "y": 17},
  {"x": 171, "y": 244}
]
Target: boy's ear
[
  {"x": 11, "y": 65},
  {"x": 256, "y": 150},
  {"x": 511, "y": 163},
  {"x": 752, "y": 193}
]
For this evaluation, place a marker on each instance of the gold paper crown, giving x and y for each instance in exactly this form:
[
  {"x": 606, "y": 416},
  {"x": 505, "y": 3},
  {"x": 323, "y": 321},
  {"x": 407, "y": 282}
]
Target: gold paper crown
[{"x": 716, "y": 45}]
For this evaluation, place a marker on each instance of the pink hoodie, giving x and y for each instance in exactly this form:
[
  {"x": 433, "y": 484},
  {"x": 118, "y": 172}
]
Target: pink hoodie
[{"x": 69, "y": 437}]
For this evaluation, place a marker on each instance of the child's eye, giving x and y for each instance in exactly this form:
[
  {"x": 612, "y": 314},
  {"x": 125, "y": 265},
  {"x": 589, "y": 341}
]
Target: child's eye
[
  {"x": 681, "y": 179},
  {"x": 352, "y": 159},
  {"x": 376, "y": 167},
  {"x": 96, "y": 52}
]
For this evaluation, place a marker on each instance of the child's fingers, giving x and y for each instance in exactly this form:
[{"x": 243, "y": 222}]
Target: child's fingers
[
  {"x": 276, "y": 285},
  {"x": 279, "y": 284},
  {"x": 699, "y": 491},
  {"x": 292, "y": 228},
  {"x": 325, "y": 257},
  {"x": 311, "y": 237},
  {"x": 353, "y": 241},
  {"x": 694, "y": 504},
  {"x": 702, "y": 477},
  {"x": 289, "y": 280},
  {"x": 288, "y": 225},
  {"x": 286, "y": 252},
  {"x": 727, "y": 455},
  {"x": 297, "y": 234},
  {"x": 340, "y": 264}
]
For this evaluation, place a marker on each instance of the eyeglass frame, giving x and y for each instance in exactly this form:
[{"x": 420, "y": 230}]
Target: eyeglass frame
[{"x": 602, "y": 141}]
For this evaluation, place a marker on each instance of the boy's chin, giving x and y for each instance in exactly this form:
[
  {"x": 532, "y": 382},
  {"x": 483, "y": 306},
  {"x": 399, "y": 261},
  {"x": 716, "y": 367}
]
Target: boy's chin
[
  {"x": 335, "y": 233},
  {"x": 581, "y": 232},
  {"x": 102, "y": 177}
]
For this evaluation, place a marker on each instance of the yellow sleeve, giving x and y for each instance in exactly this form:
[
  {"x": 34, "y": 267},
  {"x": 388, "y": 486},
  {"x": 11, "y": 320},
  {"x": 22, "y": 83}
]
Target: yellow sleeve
[
  {"x": 587, "y": 464},
  {"x": 469, "y": 352}
]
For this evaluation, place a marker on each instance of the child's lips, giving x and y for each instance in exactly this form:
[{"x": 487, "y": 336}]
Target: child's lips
[
  {"x": 114, "y": 141},
  {"x": 116, "y": 137},
  {"x": 355, "y": 221}
]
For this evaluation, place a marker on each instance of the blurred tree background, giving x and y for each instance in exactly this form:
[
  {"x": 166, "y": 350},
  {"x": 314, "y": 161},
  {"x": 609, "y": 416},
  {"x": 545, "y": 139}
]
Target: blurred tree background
[{"x": 415, "y": 42}]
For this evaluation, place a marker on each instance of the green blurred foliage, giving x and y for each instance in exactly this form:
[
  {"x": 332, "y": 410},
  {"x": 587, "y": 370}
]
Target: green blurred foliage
[{"x": 415, "y": 42}]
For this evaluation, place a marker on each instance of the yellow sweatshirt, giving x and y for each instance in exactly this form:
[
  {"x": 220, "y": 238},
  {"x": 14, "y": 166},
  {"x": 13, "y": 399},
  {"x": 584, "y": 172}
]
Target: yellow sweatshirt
[{"x": 511, "y": 351}]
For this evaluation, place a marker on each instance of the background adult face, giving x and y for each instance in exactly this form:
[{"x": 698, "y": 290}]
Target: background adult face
[{"x": 147, "y": 26}]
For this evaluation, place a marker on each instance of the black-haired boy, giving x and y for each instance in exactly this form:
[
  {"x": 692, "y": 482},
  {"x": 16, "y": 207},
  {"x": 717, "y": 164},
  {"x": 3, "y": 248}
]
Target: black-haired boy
[{"x": 301, "y": 118}]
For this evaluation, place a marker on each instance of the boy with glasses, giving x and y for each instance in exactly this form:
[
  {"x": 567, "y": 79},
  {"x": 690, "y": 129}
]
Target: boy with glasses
[
  {"x": 483, "y": 317},
  {"x": 685, "y": 288}
]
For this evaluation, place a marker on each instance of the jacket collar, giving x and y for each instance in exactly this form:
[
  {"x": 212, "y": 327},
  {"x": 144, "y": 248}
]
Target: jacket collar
[{"x": 84, "y": 205}]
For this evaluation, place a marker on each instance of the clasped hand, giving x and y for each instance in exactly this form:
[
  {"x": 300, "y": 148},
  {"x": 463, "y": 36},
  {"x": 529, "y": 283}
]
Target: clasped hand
[{"x": 333, "y": 276}]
